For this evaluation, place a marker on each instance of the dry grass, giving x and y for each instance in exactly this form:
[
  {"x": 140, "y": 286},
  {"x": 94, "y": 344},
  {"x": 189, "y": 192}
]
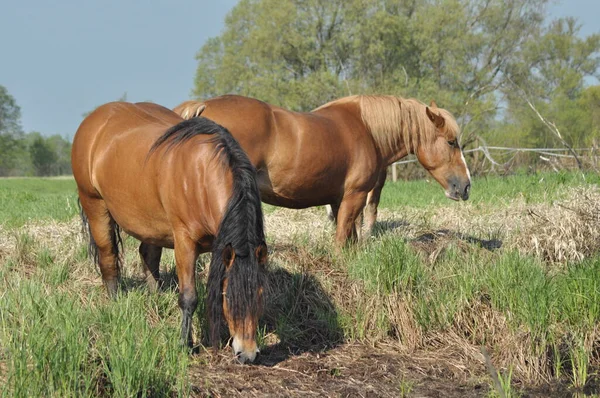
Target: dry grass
[{"x": 567, "y": 231}]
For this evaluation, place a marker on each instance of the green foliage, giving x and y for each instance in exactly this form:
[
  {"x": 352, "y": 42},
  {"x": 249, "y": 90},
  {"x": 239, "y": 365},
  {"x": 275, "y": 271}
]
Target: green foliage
[
  {"x": 42, "y": 156},
  {"x": 299, "y": 54},
  {"x": 551, "y": 76},
  {"x": 10, "y": 114},
  {"x": 28, "y": 154}
]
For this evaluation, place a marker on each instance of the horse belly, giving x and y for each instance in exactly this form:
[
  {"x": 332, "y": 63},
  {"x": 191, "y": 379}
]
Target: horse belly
[
  {"x": 300, "y": 190},
  {"x": 148, "y": 224},
  {"x": 131, "y": 200}
]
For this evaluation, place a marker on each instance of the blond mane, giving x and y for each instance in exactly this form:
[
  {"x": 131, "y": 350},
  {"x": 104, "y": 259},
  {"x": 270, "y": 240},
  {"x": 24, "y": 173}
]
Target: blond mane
[
  {"x": 189, "y": 109},
  {"x": 391, "y": 119}
]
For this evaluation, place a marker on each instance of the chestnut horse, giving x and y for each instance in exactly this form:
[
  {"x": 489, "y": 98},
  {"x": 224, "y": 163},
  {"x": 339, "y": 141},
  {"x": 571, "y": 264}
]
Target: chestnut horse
[
  {"x": 182, "y": 184},
  {"x": 338, "y": 153}
]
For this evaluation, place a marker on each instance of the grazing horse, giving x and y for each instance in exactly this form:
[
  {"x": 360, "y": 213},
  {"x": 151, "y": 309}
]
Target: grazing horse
[
  {"x": 181, "y": 184},
  {"x": 338, "y": 153}
]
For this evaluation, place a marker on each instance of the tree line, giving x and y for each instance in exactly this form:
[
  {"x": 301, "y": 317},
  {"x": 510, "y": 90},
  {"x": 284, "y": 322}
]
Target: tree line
[{"x": 30, "y": 154}]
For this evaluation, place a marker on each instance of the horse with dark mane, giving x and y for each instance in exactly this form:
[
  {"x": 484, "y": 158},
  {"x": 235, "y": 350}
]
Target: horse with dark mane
[
  {"x": 338, "y": 154},
  {"x": 181, "y": 184}
]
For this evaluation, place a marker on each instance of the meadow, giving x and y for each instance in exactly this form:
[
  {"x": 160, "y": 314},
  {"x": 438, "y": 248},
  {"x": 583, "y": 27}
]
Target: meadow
[{"x": 497, "y": 296}]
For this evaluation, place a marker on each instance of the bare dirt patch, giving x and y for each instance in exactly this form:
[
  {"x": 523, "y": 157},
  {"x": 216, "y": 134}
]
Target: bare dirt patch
[{"x": 352, "y": 370}]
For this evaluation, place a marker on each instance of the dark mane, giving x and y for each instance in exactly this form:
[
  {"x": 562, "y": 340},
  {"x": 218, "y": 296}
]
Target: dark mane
[
  {"x": 241, "y": 225},
  {"x": 187, "y": 130}
]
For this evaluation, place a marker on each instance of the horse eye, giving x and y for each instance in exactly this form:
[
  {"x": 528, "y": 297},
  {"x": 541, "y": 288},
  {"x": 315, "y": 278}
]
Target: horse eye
[{"x": 452, "y": 143}]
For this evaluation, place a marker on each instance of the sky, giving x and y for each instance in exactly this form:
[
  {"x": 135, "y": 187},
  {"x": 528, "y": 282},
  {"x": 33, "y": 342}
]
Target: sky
[{"x": 60, "y": 59}]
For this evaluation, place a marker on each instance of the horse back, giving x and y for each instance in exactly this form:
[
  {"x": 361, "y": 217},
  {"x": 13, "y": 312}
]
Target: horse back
[{"x": 147, "y": 194}]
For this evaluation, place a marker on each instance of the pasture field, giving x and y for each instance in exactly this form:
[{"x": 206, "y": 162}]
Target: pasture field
[{"x": 497, "y": 296}]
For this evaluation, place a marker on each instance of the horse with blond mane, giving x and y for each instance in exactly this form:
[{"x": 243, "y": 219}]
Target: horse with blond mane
[{"x": 338, "y": 154}]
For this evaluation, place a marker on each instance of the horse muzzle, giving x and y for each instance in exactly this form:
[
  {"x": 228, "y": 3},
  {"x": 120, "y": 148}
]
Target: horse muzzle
[
  {"x": 245, "y": 352},
  {"x": 458, "y": 189}
]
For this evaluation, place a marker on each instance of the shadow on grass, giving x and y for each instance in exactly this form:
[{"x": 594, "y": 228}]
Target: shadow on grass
[
  {"x": 300, "y": 312},
  {"x": 431, "y": 237},
  {"x": 297, "y": 310},
  {"x": 383, "y": 227}
]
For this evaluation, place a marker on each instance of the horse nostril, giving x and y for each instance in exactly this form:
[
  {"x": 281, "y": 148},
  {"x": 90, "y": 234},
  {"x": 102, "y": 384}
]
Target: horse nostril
[
  {"x": 238, "y": 353},
  {"x": 465, "y": 194}
]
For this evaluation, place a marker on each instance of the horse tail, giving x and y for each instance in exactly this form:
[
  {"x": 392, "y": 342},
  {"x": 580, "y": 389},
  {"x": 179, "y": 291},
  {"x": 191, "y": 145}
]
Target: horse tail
[
  {"x": 190, "y": 109},
  {"x": 115, "y": 237},
  {"x": 87, "y": 232}
]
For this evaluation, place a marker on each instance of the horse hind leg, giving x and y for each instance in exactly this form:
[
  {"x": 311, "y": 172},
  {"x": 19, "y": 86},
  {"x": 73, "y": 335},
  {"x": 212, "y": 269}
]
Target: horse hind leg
[
  {"x": 358, "y": 225},
  {"x": 150, "y": 255},
  {"x": 332, "y": 212},
  {"x": 105, "y": 237}
]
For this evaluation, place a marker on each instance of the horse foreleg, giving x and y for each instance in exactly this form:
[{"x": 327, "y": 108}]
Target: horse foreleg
[
  {"x": 186, "y": 253},
  {"x": 372, "y": 203},
  {"x": 103, "y": 231},
  {"x": 350, "y": 208},
  {"x": 150, "y": 255}
]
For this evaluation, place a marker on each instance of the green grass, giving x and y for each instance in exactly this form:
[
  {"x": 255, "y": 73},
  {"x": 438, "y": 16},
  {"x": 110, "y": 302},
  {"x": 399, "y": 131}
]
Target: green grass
[
  {"x": 34, "y": 199},
  {"x": 58, "y": 340},
  {"x": 27, "y": 199},
  {"x": 61, "y": 336},
  {"x": 495, "y": 190},
  {"x": 558, "y": 310}
]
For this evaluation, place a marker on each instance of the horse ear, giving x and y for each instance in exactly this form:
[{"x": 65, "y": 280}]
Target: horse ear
[
  {"x": 228, "y": 255},
  {"x": 433, "y": 104},
  {"x": 261, "y": 253},
  {"x": 435, "y": 118}
]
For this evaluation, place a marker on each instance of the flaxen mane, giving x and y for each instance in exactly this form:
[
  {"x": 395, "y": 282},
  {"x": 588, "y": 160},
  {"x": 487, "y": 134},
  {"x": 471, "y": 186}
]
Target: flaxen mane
[
  {"x": 393, "y": 119},
  {"x": 189, "y": 109}
]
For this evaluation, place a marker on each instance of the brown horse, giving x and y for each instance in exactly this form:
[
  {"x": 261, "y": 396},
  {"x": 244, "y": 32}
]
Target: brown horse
[
  {"x": 182, "y": 184},
  {"x": 338, "y": 154}
]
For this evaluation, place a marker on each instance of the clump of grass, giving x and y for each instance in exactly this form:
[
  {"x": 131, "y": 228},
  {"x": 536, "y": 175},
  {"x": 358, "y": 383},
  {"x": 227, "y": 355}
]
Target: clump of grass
[
  {"x": 389, "y": 265},
  {"x": 580, "y": 358},
  {"x": 47, "y": 343},
  {"x": 138, "y": 359},
  {"x": 60, "y": 338},
  {"x": 568, "y": 230}
]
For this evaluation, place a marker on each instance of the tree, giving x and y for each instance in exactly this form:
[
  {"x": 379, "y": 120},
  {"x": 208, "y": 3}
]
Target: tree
[
  {"x": 302, "y": 53},
  {"x": 288, "y": 52},
  {"x": 10, "y": 132},
  {"x": 551, "y": 75},
  {"x": 42, "y": 156},
  {"x": 10, "y": 113},
  {"x": 61, "y": 147}
]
